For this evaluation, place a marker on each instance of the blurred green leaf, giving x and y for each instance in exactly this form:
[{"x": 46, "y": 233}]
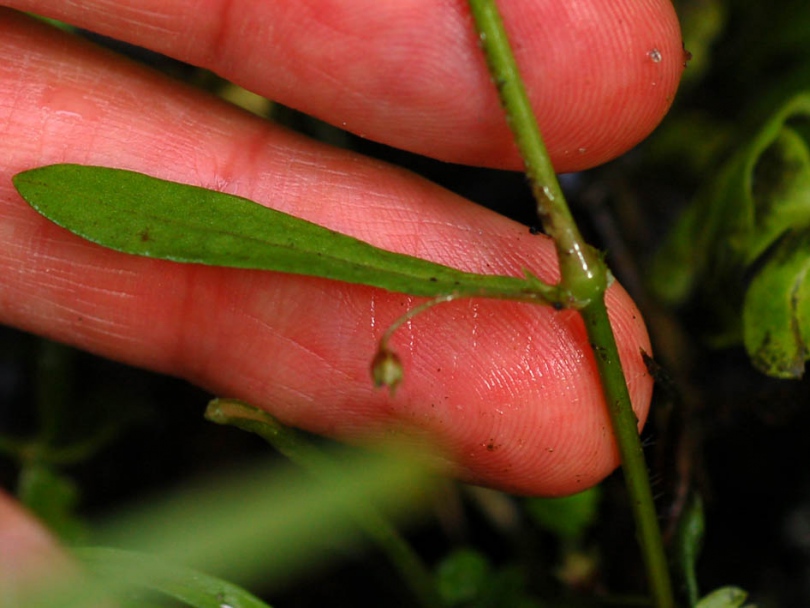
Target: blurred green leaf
[
  {"x": 57, "y": 24},
  {"x": 263, "y": 524},
  {"x": 507, "y": 589},
  {"x": 267, "y": 523},
  {"x": 702, "y": 21},
  {"x": 300, "y": 450},
  {"x": 142, "y": 215},
  {"x": 725, "y": 597},
  {"x": 761, "y": 192},
  {"x": 568, "y": 517},
  {"x": 463, "y": 576},
  {"x": 52, "y": 497},
  {"x": 688, "y": 543},
  {"x": 132, "y": 570},
  {"x": 740, "y": 247},
  {"x": 776, "y": 311},
  {"x": 466, "y": 578}
]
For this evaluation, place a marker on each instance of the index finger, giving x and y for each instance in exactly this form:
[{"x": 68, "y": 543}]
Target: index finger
[{"x": 408, "y": 73}]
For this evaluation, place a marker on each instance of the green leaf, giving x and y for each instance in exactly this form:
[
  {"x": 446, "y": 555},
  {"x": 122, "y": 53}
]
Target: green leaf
[
  {"x": 295, "y": 446},
  {"x": 702, "y": 23},
  {"x": 52, "y": 497},
  {"x": 725, "y": 597},
  {"x": 568, "y": 517},
  {"x": 738, "y": 250},
  {"x": 776, "y": 311},
  {"x": 463, "y": 576},
  {"x": 753, "y": 199},
  {"x": 780, "y": 190},
  {"x": 142, "y": 215},
  {"x": 467, "y": 578},
  {"x": 138, "y": 570},
  {"x": 260, "y": 524},
  {"x": 688, "y": 543}
]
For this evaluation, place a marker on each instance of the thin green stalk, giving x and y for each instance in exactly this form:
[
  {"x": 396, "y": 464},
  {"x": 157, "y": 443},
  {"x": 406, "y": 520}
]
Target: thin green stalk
[
  {"x": 625, "y": 429},
  {"x": 294, "y": 446},
  {"x": 584, "y": 274},
  {"x": 584, "y": 277}
]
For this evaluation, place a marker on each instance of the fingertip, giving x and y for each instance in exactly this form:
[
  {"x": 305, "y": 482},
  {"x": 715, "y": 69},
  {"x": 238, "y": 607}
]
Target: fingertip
[
  {"x": 601, "y": 74},
  {"x": 28, "y": 553},
  {"x": 562, "y": 442}
]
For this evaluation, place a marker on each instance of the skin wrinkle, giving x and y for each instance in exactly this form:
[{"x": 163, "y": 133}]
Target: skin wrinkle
[
  {"x": 153, "y": 22},
  {"x": 296, "y": 187},
  {"x": 190, "y": 303},
  {"x": 293, "y": 342},
  {"x": 321, "y": 65},
  {"x": 257, "y": 382},
  {"x": 240, "y": 160},
  {"x": 403, "y": 65},
  {"x": 95, "y": 329},
  {"x": 221, "y": 35},
  {"x": 70, "y": 281},
  {"x": 323, "y": 363},
  {"x": 324, "y": 26}
]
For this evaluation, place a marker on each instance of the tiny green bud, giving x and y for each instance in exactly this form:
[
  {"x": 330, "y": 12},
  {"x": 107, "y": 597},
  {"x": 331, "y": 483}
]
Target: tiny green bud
[{"x": 386, "y": 370}]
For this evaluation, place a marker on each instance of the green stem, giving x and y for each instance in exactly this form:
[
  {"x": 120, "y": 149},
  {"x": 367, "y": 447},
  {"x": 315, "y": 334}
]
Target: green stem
[
  {"x": 584, "y": 277},
  {"x": 584, "y": 274},
  {"x": 294, "y": 446},
  {"x": 625, "y": 429}
]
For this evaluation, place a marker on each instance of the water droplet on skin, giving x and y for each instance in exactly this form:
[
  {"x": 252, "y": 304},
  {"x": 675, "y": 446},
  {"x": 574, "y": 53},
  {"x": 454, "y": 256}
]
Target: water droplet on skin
[
  {"x": 528, "y": 359},
  {"x": 655, "y": 56},
  {"x": 581, "y": 150},
  {"x": 373, "y": 312},
  {"x": 409, "y": 325},
  {"x": 475, "y": 325}
]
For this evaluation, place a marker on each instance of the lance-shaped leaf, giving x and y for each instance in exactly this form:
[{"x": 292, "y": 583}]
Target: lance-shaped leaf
[
  {"x": 142, "y": 215},
  {"x": 776, "y": 311}
]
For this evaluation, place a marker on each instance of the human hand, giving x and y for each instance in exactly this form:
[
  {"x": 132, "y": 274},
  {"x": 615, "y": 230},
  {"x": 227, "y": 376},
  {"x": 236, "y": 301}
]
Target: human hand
[{"x": 508, "y": 392}]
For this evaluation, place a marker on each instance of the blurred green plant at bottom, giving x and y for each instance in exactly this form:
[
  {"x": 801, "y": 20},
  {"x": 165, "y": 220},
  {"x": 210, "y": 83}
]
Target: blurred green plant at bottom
[{"x": 261, "y": 525}]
